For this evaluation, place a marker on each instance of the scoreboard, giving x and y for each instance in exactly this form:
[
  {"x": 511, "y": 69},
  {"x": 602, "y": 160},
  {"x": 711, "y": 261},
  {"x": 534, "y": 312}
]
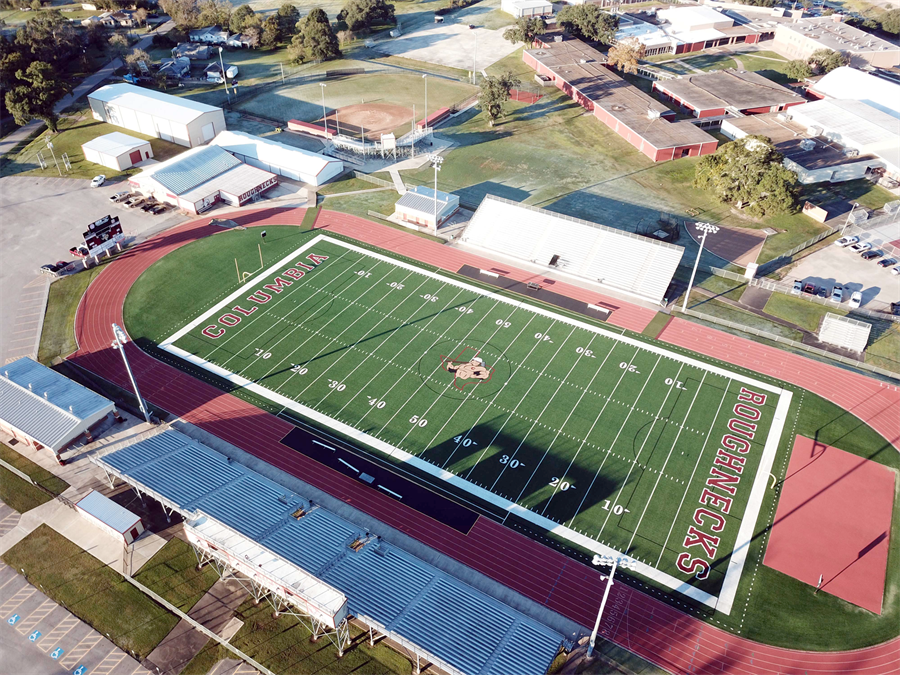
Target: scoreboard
[{"x": 102, "y": 234}]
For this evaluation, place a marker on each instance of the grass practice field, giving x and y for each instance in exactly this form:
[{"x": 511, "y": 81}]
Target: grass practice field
[{"x": 609, "y": 442}]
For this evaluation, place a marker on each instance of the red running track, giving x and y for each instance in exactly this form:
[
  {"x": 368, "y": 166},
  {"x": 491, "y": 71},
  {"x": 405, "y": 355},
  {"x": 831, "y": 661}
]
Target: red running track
[{"x": 634, "y": 620}]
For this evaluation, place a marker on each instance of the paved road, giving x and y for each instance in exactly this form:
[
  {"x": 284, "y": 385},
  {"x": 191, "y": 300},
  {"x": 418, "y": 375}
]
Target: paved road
[{"x": 8, "y": 142}]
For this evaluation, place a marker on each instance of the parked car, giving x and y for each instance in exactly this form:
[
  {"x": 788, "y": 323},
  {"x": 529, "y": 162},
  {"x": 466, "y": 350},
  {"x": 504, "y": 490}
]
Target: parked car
[
  {"x": 837, "y": 293},
  {"x": 134, "y": 203},
  {"x": 146, "y": 206},
  {"x": 159, "y": 208},
  {"x": 79, "y": 251},
  {"x": 53, "y": 268},
  {"x": 98, "y": 180},
  {"x": 855, "y": 299},
  {"x": 846, "y": 241},
  {"x": 810, "y": 288},
  {"x": 822, "y": 293},
  {"x": 896, "y": 270},
  {"x": 860, "y": 247},
  {"x": 887, "y": 262},
  {"x": 797, "y": 287},
  {"x": 119, "y": 197},
  {"x": 871, "y": 255}
]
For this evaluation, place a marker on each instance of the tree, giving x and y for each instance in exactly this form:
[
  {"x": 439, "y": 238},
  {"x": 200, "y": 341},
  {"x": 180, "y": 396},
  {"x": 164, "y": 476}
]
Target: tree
[
  {"x": 625, "y": 54},
  {"x": 526, "y": 30},
  {"x": 49, "y": 37},
  {"x": 271, "y": 33},
  {"x": 37, "y": 96},
  {"x": 494, "y": 93},
  {"x": 287, "y": 16},
  {"x": 252, "y": 34},
  {"x": 759, "y": 3},
  {"x": 749, "y": 170},
  {"x": 826, "y": 60},
  {"x": 363, "y": 14},
  {"x": 140, "y": 15},
  {"x": 797, "y": 70},
  {"x": 132, "y": 60},
  {"x": 214, "y": 13},
  {"x": 890, "y": 22},
  {"x": 119, "y": 45},
  {"x": 240, "y": 18},
  {"x": 315, "y": 39},
  {"x": 185, "y": 13},
  {"x": 588, "y": 22}
]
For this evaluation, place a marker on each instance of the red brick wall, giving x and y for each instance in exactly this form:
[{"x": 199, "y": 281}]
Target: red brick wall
[{"x": 712, "y": 112}]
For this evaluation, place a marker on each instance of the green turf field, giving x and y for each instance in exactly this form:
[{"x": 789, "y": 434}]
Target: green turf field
[{"x": 607, "y": 441}]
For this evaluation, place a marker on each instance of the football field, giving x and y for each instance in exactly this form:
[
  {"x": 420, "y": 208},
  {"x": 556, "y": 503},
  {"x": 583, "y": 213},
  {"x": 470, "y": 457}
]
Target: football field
[{"x": 614, "y": 444}]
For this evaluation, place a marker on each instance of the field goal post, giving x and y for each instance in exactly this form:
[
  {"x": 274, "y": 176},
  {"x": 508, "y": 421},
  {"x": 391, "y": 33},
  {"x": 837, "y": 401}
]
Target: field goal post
[{"x": 243, "y": 276}]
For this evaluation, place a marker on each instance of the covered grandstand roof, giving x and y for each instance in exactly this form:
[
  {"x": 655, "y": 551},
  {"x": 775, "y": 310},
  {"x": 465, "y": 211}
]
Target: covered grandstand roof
[
  {"x": 46, "y": 406},
  {"x": 457, "y": 627},
  {"x": 614, "y": 258}
]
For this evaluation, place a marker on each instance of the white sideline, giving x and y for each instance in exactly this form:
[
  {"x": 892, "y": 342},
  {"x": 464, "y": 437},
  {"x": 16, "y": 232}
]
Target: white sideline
[{"x": 722, "y": 603}]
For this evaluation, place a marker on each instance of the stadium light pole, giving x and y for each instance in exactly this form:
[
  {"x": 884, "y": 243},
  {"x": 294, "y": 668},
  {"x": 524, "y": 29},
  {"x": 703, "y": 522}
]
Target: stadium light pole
[
  {"x": 224, "y": 77},
  {"x": 705, "y": 228},
  {"x": 615, "y": 562},
  {"x": 436, "y": 161},
  {"x": 324, "y": 116},
  {"x": 120, "y": 338},
  {"x": 425, "y": 77}
]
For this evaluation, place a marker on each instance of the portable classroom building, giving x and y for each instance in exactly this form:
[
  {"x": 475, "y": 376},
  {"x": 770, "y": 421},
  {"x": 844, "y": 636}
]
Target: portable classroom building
[
  {"x": 113, "y": 519},
  {"x": 117, "y": 151},
  {"x": 153, "y": 113}
]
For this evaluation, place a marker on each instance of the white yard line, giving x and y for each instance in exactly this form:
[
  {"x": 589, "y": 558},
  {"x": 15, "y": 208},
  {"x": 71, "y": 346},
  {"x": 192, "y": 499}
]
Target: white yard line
[
  {"x": 691, "y": 479},
  {"x": 535, "y": 421},
  {"x": 624, "y": 483},
  {"x": 662, "y": 470}
]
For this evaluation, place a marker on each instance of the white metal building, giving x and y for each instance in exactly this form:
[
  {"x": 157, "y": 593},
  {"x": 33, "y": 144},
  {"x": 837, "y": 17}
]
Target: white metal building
[
  {"x": 117, "y": 151},
  {"x": 527, "y": 8},
  {"x": 115, "y": 520},
  {"x": 417, "y": 206},
  {"x": 616, "y": 259},
  {"x": 848, "y": 83},
  {"x": 200, "y": 177},
  {"x": 284, "y": 160},
  {"x": 153, "y": 113},
  {"x": 43, "y": 409}
]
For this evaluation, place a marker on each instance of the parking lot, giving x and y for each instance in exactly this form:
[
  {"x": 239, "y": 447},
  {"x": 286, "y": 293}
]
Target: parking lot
[
  {"x": 833, "y": 265},
  {"x": 42, "y": 219}
]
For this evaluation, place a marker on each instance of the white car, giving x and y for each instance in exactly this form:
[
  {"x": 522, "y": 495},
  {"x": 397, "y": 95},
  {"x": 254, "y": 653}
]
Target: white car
[
  {"x": 896, "y": 270},
  {"x": 855, "y": 299},
  {"x": 98, "y": 180},
  {"x": 846, "y": 241},
  {"x": 860, "y": 247}
]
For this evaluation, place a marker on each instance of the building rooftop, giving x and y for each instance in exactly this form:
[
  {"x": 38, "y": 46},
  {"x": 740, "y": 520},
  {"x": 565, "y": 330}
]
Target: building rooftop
[
  {"x": 849, "y": 83},
  {"x": 421, "y": 198},
  {"x": 692, "y": 16},
  {"x": 273, "y": 152},
  {"x": 191, "y": 168},
  {"x": 839, "y": 36},
  {"x": 47, "y": 406},
  {"x": 174, "y": 108},
  {"x": 115, "y": 143},
  {"x": 583, "y": 68},
  {"x": 728, "y": 89},
  {"x": 235, "y": 181},
  {"x": 107, "y": 511},
  {"x": 462, "y": 629}
]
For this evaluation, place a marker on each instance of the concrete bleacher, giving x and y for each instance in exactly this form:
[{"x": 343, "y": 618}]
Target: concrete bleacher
[
  {"x": 619, "y": 260},
  {"x": 845, "y": 332},
  {"x": 457, "y": 627}
]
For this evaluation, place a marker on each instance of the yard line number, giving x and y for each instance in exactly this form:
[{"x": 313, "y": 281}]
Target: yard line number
[
  {"x": 364, "y": 274},
  {"x": 429, "y": 297},
  {"x": 464, "y": 442},
  {"x": 299, "y": 369},
  {"x": 502, "y": 323},
  {"x": 337, "y": 386},
  {"x": 618, "y": 509},
  {"x": 629, "y": 367},
  {"x": 396, "y": 285},
  {"x": 511, "y": 463},
  {"x": 678, "y": 385},
  {"x": 585, "y": 352},
  {"x": 418, "y": 421},
  {"x": 262, "y": 353},
  {"x": 376, "y": 403},
  {"x": 543, "y": 337},
  {"x": 563, "y": 485}
]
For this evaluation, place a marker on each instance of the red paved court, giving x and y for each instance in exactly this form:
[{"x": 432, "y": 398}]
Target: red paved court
[{"x": 834, "y": 520}]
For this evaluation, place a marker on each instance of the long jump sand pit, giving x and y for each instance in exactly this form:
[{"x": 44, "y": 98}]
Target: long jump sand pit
[{"x": 371, "y": 119}]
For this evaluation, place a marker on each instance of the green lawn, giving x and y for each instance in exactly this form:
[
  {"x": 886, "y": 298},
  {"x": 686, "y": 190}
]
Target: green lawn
[
  {"x": 19, "y": 494},
  {"x": 36, "y": 472},
  {"x": 72, "y": 135},
  {"x": 345, "y": 184},
  {"x": 96, "y": 594},
  {"x": 801, "y": 312},
  {"x": 884, "y": 346},
  {"x": 206, "y": 658},
  {"x": 283, "y": 645},
  {"x": 172, "y": 573},
  {"x": 720, "y": 310},
  {"x": 58, "y": 333}
]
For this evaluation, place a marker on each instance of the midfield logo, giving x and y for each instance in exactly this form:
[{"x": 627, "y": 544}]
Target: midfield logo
[{"x": 465, "y": 368}]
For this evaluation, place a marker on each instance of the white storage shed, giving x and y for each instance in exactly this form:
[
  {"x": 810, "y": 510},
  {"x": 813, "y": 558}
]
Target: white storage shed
[
  {"x": 153, "y": 113},
  {"x": 117, "y": 151},
  {"x": 113, "y": 519},
  {"x": 526, "y": 8},
  {"x": 418, "y": 205},
  {"x": 284, "y": 160}
]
